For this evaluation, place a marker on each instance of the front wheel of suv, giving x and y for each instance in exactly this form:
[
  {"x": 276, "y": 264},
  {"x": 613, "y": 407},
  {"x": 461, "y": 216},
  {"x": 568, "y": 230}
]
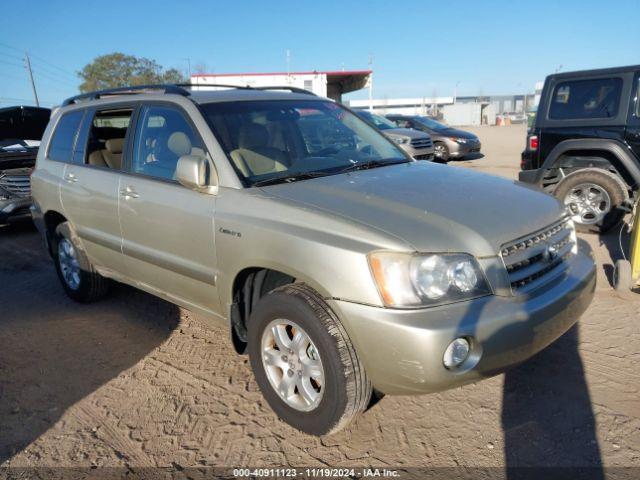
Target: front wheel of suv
[
  {"x": 441, "y": 152},
  {"x": 593, "y": 197},
  {"x": 304, "y": 362},
  {"x": 78, "y": 278}
]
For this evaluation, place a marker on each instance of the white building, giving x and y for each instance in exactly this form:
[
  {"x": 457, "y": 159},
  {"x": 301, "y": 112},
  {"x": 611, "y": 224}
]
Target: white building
[{"x": 331, "y": 84}]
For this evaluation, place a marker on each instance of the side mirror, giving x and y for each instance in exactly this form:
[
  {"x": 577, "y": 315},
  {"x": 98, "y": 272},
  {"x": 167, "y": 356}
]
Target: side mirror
[{"x": 191, "y": 172}]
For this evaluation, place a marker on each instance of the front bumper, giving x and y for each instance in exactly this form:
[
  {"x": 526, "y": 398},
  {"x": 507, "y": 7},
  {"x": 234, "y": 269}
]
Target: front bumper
[
  {"x": 14, "y": 209},
  {"x": 459, "y": 150},
  {"x": 419, "y": 153},
  {"x": 402, "y": 350}
]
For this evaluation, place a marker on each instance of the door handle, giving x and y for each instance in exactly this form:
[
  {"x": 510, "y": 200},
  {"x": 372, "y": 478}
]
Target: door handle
[
  {"x": 129, "y": 192},
  {"x": 71, "y": 178}
]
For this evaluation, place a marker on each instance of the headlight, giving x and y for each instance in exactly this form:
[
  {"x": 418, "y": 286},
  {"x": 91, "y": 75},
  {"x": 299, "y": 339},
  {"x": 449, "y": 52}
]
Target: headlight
[
  {"x": 425, "y": 279},
  {"x": 400, "y": 140},
  {"x": 459, "y": 140}
]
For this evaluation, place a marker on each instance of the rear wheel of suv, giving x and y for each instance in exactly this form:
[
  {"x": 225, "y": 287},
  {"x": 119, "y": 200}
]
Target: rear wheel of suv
[
  {"x": 593, "y": 197},
  {"x": 304, "y": 362},
  {"x": 78, "y": 278}
]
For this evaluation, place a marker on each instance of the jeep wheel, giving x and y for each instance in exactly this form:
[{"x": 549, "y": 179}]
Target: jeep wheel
[
  {"x": 593, "y": 197},
  {"x": 441, "y": 152},
  {"x": 79, "y": 280},
  {"x": 304, "y": 362}
]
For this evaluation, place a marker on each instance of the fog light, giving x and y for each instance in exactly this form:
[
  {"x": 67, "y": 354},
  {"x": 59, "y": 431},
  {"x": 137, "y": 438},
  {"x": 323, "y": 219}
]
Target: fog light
[{"x": 456, "y": 353}]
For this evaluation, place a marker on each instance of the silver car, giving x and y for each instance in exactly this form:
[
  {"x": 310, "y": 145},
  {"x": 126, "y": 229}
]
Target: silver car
[
  {"x": 338, "y": 263},
  {"x": 416, "y": 143}
]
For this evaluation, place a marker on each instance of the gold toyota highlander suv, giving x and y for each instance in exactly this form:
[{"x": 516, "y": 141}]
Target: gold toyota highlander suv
[{"x": 343, "y": 267}]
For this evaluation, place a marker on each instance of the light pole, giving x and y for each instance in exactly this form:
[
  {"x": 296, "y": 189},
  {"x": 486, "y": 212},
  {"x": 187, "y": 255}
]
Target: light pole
[{"x": 455, "y": 92}]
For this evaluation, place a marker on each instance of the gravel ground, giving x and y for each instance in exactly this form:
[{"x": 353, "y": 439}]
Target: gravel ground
[{"x": 135, "y": 381}]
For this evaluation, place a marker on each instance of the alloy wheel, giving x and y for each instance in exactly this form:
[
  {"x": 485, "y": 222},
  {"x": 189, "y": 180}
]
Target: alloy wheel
[
  {"x": 588, "y": 203},
  {"x": 292, "y": 364},
  {"x": 69, "y": 266}
]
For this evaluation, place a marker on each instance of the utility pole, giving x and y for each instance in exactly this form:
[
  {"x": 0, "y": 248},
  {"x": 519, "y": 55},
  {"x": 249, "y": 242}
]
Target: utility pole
[
  {"x": 33, "y": 85},
  {"x": 371, "y": 83}
]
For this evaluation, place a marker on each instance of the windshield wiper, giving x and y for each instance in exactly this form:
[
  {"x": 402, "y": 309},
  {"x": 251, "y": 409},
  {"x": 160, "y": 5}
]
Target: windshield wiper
[
  {"x": 289, "y": 178},
  {"x": 371, "y": 164}
]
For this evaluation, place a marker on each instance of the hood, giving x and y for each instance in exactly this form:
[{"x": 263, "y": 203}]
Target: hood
[
  {"x": 434, "y": 208},
  {"x": 405, "y": 132},
  {"x": 22, "y": 123}
]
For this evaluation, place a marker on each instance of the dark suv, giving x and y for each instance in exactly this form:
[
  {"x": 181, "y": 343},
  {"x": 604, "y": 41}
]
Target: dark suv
[{"x": 585, "y": 143}]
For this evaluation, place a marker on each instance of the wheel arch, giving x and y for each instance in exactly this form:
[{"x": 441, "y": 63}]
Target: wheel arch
[
  {"x": 251, "y": 283},
  {"x": 594, "y": 153},
  {"x": 52, "y": 219}
]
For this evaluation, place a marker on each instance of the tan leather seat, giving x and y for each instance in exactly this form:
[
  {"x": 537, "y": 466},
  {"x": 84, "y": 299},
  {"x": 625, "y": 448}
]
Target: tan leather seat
[
  {"x": 254, "y": 156},
  {"x": 111, "y": 156}
]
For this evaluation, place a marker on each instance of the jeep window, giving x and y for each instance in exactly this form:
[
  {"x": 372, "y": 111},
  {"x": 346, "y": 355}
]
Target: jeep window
[
  {"x": 272, "y": 141},
  {"x": 106, "y": 138},
  {"x": 163, "y": 135},
  {"x": 61, "y": 145},
  {"x": 584, "y": 99}
]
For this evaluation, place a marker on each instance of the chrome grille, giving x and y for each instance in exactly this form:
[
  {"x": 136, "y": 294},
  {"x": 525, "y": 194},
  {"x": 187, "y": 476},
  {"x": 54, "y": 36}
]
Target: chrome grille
[
  {"x": 424, "y": 142},
  {"x": 16, "y": 182},
  {"x": 533, "y": 260}
]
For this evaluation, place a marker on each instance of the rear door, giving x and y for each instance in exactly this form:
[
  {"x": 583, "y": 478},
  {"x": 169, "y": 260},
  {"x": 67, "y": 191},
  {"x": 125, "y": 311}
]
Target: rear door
[
  {"x": 90, "y": 186},
  {"x": 632, "y": 135},
  {"x": 167, "y": 229}
]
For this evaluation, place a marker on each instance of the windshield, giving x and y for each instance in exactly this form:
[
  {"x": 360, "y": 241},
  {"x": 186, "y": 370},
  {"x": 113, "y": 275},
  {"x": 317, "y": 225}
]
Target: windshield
[
  {"x": 282, "y": 140},
  {"x": 380, "y": 122},
  {"x": 431, "y": 123}
]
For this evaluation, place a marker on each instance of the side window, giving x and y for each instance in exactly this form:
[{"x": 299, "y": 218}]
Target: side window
[
  {"x": 584, "y": 99},
  {"x": 163, "y": 135},
  {"x": 64, "y": 136},
  {"x": 106, "y": 138}
]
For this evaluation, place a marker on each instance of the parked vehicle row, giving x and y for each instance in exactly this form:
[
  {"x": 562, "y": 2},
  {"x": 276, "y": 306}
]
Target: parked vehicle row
[
  {"x": 341, "y": 265},
  {"x": 416, "y": 143},
  {"x": 585, "y": 144},
  {"x": 449, "y": 143}
]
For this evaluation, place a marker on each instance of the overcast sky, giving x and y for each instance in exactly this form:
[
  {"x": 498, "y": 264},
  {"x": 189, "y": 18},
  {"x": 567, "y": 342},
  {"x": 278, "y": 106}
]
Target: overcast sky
[{"x": 419, "y": 47}]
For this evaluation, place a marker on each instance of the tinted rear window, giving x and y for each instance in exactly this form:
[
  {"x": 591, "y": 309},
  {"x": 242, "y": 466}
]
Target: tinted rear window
[
  {"x": 584, "y": 99},
  {"x": 61, "y": 146}
]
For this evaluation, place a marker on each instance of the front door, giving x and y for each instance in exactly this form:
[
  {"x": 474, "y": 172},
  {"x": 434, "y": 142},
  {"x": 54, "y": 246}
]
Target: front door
[{"x": 167, "y": 229}]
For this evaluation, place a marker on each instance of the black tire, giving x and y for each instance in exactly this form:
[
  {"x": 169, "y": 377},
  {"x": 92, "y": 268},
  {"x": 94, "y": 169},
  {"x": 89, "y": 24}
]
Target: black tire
[
  {"x": 622, "y": 276},
  {"x": 347, "y": 389},
  {"x": 92, "y": 286},
  {"x": 441, "y": 153},
  {"x": 607, "y": 181}
]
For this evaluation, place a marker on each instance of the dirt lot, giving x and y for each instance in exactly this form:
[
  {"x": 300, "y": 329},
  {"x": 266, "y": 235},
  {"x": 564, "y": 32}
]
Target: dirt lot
[{"x": 134, "y": 381}]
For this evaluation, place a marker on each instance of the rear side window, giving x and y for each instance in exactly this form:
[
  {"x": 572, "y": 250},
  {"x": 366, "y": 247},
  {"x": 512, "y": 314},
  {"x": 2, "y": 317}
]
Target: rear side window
[
  {"x": 61, "y": 145},
  {"x": 584, "y": 99}
]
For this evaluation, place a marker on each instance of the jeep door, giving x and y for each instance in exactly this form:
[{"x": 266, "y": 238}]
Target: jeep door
[
  {"x": 168, "y": 229},
  {"x": 633, "y": 124},
  {"x": 89, "y": 190}
]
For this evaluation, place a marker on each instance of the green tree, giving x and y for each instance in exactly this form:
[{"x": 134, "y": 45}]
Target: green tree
[{"x": 120, "y": 70}]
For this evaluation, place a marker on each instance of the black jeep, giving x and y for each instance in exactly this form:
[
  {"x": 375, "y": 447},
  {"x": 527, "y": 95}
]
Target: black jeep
[
  {"x": 21, "y": 129},
  {"x": 585, "y": 143}
]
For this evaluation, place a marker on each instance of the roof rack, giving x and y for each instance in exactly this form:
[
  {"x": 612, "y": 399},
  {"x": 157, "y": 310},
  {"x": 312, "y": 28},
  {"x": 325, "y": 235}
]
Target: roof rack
[
  {"x": 172, "y": 88},
  {"x": 291, "y": 89},
  {"x": 134, "y": 90}
]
